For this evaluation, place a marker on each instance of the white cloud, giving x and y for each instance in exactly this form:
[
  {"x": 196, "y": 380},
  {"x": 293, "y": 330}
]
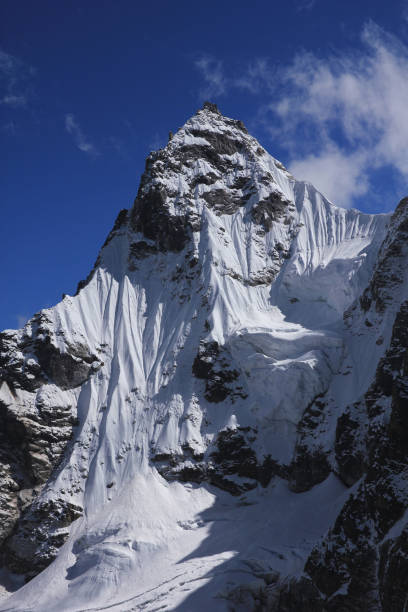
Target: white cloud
[
  {"x": 9, "y": 127},
  {"x": 305, "y": 5},
  {"x": 365, "y": 96},
  {"x": 258, "y": 75},
  {"x": 340, "y": 176},
  {"x": 14, "y": 101},
  {"x": 15, "y": 78},
  {"x": 213, "y": 75},
  {"x": 81, "y": 141},
  {"x": 348, "y": 112}
]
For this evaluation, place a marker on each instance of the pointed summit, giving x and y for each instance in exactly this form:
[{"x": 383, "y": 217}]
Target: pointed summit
[
  {"x": 211, "y": 163},
  {"x": 210, "y": 106},
  {"x": 212, "y": 109}
]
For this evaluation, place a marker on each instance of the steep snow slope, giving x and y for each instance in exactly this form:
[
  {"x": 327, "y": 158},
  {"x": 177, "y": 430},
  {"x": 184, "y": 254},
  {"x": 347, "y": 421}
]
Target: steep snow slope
[{"x": 189, "y": 369}]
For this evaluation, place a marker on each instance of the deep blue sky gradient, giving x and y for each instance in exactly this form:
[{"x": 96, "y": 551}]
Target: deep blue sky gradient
[{"x": 126, "y": 72}]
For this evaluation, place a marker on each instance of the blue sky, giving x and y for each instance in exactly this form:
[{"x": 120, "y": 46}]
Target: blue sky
[{"x": 87, "y": 89}]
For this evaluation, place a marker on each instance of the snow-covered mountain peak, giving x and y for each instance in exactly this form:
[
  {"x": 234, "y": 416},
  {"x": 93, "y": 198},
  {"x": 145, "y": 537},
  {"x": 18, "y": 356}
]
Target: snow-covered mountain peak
[
  {"x": 209, "y": 168},
  {"x": 213, "y": 183},
  {"x": 203, "y": 358}
]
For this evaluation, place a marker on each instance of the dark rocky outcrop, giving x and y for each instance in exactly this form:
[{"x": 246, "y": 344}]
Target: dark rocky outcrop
[
  {"x": 151, "y": 217},
  {"x": 213, "y": 364},
  {"x": 393, "y": 572},
  {"x": 38, "y": 536},
  {"x": 211, "y": 107},
  {"x": 234, "y": 455},
  {"x": 31, "y": 447},
  {"x": 273, "y": 208},
  {"x": 141, "y": 250},
  {"x": 389, "y": 272},
  {"x": 67, "y": 369},
  {"x": 267, "y": 593},
  {"x": 293, "y": 595},
  {"x": 224, "y": 202},
  {"x": 349, "y": 445},
  {"x": 311, "y": 462},
  {"x": 222, "y": 144},
  {"x": 309, "y": 468},
  {"x": 230, "y": 463},
  {"x": 34, "y": 434},
  {"x": 30, "y": 361}
]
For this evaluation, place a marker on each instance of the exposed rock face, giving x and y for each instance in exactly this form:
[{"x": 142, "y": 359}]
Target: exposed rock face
[
  {"x": 221, "y": 379},
  {"x": 353, "y": 549},
  {"x": 311, "y": 462},
  {"x": 32, "y": 359},
  {"x": 350, "y": 445},
  {"x": 39, "y": 534},
  {"x": 32, "y": 444},
  {"x": 268, "y": 594},
  {"x": 208, "y": 161},
  {"x": 389, "y": 273},
  {"x": 269, "y": 210},
  {"x": 36, "y": 424},
  {"x": 151, "y": 217},
  {"x": 230, "y": 464}
]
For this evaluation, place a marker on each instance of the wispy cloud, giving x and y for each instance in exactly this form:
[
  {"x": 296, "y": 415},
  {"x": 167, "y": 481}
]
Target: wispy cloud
[
  {"x": 215, "y": 82},
  {"x": 82, "y": 142},
  {"x": 338, "y": 174},
  {"x": 116, "y": 144},
  {"x": 258, "y": 75},
  {"x": 8, "y": 127},
  {"x": 15, "y": 77},
  {"x": 355, "y": 107},
  {"x": 14, "y": 101},
  {"x": 305, "y": 5}
]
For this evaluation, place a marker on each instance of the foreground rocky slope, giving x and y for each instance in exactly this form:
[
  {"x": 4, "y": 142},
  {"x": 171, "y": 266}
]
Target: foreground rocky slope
[{"x": 217, "y": 418}]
